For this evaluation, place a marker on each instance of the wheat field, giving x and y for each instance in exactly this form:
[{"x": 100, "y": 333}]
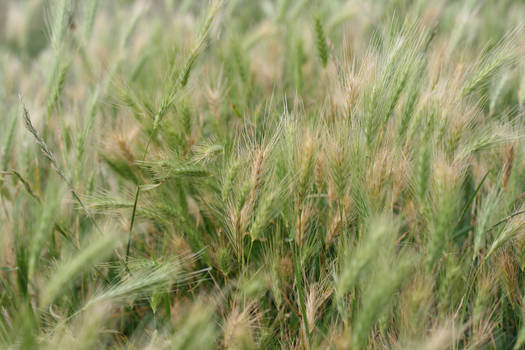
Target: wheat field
[{"x": 238, "y": 174}]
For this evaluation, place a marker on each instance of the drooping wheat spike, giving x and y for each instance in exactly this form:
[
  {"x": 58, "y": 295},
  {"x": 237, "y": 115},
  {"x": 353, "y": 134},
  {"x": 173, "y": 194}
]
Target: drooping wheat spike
[
  {"x": 45, "y": 150},
  {"x": 203, "y": 35},
  {"x": 90, "y": 255},
  {"x": 488, "y": 64},
  {"x": 320, "y": 40},
  {"x": 146, "y": 276},
  {"x": 26, "y": 184},
  {"x": 54, "y": 164},
  {"x": 515, "y": 224}
]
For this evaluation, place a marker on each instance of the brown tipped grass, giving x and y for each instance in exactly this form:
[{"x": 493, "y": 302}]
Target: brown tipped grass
[{"x": 262, "y": 174}]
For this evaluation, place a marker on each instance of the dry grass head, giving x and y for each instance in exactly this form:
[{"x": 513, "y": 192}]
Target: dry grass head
[{"x": 240, "y": 326}]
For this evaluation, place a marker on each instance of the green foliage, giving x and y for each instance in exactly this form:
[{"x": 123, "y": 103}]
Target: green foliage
[
  {"x": 320, "y": 40},
  {"x": 262, "y": 174}
]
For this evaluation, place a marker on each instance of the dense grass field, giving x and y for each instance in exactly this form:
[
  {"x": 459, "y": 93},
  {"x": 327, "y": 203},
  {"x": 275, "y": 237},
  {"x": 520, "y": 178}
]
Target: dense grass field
[{"x": 296, "y": 174}]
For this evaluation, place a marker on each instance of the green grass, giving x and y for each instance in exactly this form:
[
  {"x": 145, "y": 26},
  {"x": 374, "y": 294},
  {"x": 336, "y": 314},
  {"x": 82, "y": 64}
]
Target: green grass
[{"x": 262, "y": 174}]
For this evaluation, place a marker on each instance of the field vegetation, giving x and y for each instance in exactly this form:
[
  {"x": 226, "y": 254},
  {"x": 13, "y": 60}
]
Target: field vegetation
[{"x": 296, "y": 174}]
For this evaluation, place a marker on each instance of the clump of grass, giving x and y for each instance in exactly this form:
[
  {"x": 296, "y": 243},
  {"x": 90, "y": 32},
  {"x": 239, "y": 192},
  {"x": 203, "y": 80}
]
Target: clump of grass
[
  {"x": 267, "y": 175},
  {"x": 144, "y": 279}
]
